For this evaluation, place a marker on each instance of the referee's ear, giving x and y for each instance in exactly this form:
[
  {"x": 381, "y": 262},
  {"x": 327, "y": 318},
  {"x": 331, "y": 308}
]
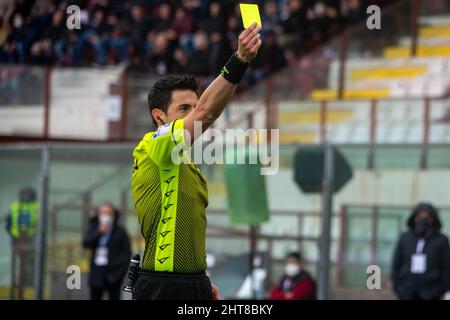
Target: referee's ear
[{"x": 159, "y": 118}]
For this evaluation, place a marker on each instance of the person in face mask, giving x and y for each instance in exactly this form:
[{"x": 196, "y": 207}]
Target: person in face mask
[
  {"x": 423, "y": 224},
  {"x": 296, "y": 283},
  {"x": 421, "y": 264},
  {"x": 111, "y": 253}
]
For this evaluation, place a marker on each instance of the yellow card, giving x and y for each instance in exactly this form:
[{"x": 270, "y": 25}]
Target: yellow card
[{"x": 250, "y": 14}]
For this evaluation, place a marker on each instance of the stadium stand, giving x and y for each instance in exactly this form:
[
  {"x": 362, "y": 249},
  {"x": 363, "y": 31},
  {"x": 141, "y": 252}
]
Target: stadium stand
[
  {"x": 165, "y": 36},
  {"x": 389, "y": 109}
]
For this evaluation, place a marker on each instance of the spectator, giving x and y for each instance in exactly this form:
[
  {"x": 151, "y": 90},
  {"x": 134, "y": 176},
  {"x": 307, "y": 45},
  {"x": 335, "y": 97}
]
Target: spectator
[
  {"x": 217, "y": 20},
  {"x": 164, "y": 20},
  {"x": 198, "y": 66},
  {"x": 421, "y": 266},
  {"x": 56, "y": 34},
  {"x": 270, "y": 17},
  {"x": 296, "y": 284},
  {"x": 321, "y": 19},
  {"x": 219, "y": 52},
  {"x": 183, "y": 26},
  {"x": 17, "y": 40},
  {"x": 41, "y": 52},
  {"x": 161, "y": 55},
  {"x": 352, "y": 11},
  {"x": 134, "y": 56},
  {"x": 96, "y": 36},
  {"x": 4, "y": 32},
  {"x": 111, "y": 253},
  {"x": 181, "y": 62},
  {"x": 233, "y": 29},
  {"x": 292, "y": 29},
  {"x": 294, "y": 21},
  {"x": 183, "y": 22},
  {"x": 139, "y": 25},
  {"x": 116, "y": 31},
  {"x": 271, "y": 57},
  {"x": 116, "y": 42}
]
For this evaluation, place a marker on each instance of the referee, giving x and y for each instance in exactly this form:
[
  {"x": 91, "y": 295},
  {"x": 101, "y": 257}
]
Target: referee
[{"x": 171, "y": 199}]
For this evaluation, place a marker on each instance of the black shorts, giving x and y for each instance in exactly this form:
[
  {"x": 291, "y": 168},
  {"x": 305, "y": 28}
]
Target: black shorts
[{"x": 152, "y": 285}]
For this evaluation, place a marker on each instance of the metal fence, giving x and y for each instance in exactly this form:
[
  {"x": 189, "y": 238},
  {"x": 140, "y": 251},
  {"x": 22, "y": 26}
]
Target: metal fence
[{"x": 368, "y": 214}]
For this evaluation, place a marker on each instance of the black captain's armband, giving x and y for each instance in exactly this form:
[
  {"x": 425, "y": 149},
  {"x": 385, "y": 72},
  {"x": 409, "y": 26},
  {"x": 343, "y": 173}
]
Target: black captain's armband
[{"x": 234, "y": 69}]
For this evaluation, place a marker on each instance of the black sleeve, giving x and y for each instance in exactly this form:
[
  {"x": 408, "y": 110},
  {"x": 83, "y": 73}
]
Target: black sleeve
[
  {"x": 92, "y": 236},
  {"x": 119, "y": 265},
  {"x": 445, "y": 265},
  {"x": 397, "y": 263},
  {"x": 126, "y": 246},
  {"x": 8, "y": 223}
]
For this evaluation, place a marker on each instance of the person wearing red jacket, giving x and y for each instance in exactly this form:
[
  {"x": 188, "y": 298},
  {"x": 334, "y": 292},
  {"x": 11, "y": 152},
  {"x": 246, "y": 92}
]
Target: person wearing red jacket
[{"x": 296, "y": 283}]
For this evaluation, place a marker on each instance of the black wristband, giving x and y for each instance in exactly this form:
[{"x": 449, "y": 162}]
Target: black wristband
[{"x": 234, "y": 69}]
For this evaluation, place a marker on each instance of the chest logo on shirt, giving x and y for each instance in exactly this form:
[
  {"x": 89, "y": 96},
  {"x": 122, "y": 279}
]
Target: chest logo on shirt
[{"x": 163, "y": 130}]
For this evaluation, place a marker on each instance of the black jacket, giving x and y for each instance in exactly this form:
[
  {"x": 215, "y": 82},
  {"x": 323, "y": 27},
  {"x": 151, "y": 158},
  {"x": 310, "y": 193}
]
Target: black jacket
[
  {"x": 119, "y": 254},
  {"x": 436, "y": 280}
]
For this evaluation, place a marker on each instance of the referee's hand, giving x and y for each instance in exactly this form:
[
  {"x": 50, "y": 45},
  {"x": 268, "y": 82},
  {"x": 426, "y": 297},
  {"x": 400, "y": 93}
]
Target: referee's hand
[
  {"x": 216, "y": 292},
  {"x": 248, "y": 43}
]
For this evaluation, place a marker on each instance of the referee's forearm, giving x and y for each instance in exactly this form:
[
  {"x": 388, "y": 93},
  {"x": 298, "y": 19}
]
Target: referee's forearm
[
  {"x": 221, "y": 90},
  {"x": 215, "y": 99},
  {"x": 211, "y": 104}
]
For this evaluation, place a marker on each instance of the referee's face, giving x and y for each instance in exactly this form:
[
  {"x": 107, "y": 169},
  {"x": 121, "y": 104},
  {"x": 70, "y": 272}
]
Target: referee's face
[{"x": 181, "y": 104}]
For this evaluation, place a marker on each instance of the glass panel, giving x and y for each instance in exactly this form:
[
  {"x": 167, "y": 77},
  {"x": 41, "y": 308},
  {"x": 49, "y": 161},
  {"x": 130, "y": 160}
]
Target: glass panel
[
  {"x": 81, "y": 178},
  {"x": 299, "y": 122},
  {"x": 348, "y": 122},
  {"x": 22, "y": 100},
  {"x": 404, "y": 158},
  {"x": 439, "y": 121},
  {"x": 19, "y": 193},
  {"x": 400, "y": 121},
  {"x": 356, "y": 156},
  {"x": 438, "y": 157}
]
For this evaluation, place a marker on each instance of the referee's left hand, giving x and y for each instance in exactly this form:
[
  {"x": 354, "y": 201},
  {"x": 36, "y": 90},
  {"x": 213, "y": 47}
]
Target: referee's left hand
[
  {"x": 215, "y": 292},
  {"x": 249, "y": 42}
]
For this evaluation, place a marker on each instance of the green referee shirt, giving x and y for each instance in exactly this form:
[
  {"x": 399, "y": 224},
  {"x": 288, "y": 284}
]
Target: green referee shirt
[{"x": 170, "y": 201}]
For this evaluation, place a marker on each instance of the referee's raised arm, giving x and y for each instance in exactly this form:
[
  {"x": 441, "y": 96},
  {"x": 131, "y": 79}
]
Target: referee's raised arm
[
  {"x": 171, "y": 197},
  {"x": 220, "y": 91}
]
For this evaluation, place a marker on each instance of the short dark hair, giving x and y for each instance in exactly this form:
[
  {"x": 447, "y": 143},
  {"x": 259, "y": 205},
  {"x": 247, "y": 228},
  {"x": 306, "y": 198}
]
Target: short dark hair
[
  {"x": 160, "y": 95},
  {"x": 114, "y": 209},
  {"x": 294, "y": 255},
  {"x": 27, "y": 194}
]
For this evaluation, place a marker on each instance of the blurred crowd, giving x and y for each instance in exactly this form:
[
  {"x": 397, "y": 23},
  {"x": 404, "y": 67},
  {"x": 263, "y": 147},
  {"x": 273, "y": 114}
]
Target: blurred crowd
[{"x": 194, "y": 36}]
